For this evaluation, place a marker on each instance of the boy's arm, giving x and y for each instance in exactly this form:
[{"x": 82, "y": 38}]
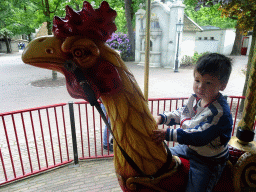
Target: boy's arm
[
  {"x": 171, "y": 117},
  {"x": 174, "y": 117},
  {"x": 203, "y": 133}
]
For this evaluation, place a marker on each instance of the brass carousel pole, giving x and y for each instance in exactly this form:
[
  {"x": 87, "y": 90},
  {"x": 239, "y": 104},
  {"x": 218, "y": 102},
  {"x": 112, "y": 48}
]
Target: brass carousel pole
[
  {"x": 146, "y": 67},
  {"x": 244, "y": 170},
  {"x": 245, "y": 133}
]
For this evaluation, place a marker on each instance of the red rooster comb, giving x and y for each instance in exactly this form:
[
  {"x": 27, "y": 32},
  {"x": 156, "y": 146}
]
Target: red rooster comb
[{"x": 95, "y": 24}]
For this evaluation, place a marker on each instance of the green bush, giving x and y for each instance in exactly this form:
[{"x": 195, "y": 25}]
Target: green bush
[
  {"x": 191, "y": 60},
  {"x": 186, "y": 61},
  {"x": 197, "y": 56}
]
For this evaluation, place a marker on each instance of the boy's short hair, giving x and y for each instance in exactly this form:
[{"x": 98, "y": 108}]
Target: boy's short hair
[{"x": 215, "y": 64}]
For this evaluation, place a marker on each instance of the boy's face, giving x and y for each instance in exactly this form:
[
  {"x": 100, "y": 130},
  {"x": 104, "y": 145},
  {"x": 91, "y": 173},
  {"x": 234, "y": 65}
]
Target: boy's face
[{"x": 207, "y": 87}]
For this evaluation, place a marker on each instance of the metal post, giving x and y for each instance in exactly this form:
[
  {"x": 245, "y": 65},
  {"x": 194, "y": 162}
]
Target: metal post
[
  {"x": 54, "y": 75},
  {"x": 146, "y": 68},
  {"x": 177, "y": 55},
  {"x": 73, "y": 131}
]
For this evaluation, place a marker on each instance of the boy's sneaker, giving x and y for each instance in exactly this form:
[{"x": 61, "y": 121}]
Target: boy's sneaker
[{"x": 110, "y": 147}]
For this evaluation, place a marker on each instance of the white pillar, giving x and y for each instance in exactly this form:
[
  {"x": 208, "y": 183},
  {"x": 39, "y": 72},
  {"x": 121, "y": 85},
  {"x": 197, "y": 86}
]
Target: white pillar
[
  {"x": 176, "y": 13},
  {"x": 138, "y": 27}
]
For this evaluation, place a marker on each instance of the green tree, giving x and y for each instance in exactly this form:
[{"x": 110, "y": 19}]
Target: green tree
[
  {"x": 48, "y": 8},
  {"x": 207, "y": 15},
  {"x": 17, "y": 18},
  {"x": 7, "y": 38},
  {"x": 211, "y": 13},
  {"x": 5, "y": 15},
  {"x": 128, "y": 13},
  {"x": 23, "y": 20},
  {"x": 23, "y": 17},
  {"x": 245, "y": 13}
]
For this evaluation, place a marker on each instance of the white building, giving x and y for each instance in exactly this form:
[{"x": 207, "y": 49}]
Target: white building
[
  {"x": 214, "y": 39},
  {"x": 163, "y": 35}
]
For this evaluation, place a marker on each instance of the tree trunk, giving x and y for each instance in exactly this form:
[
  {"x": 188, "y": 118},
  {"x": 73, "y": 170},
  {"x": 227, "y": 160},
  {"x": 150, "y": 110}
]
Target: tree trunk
[
  {"x": 8, "y": 45},
  {"x": 249, "y": 64},
  {"x": 238, "y": 42},
  {"x": 29, "y": 37},
  {"x": 128, "y": 14},
  {"x": 49, "y": 29},
  {"x": 48, "y": 16}
]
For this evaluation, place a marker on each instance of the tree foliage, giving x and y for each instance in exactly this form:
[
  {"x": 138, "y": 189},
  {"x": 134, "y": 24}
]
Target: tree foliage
[
  {"x": 243, "y": 11},
  {"x": 6, "y": 34},
  {"x": 46, "y": 10},
  {"x": 208, "y": 15},
  {"x": 5, "y": 13},
  {"x": 23, "y": 20},
  {"x": 23, "y": 17},
  {"x": 5, "y": 21}
]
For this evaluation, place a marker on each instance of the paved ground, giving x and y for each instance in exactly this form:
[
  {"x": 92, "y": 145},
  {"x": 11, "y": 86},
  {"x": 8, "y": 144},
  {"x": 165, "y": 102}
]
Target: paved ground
[
  {"x": 89, "y": 176},
  {"x": 94, "y": 175},
  {"x": 16, "y": 81}
]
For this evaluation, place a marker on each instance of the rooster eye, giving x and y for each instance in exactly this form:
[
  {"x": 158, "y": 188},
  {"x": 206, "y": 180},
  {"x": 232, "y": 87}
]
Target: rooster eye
[{"x": 78, "y": 53}]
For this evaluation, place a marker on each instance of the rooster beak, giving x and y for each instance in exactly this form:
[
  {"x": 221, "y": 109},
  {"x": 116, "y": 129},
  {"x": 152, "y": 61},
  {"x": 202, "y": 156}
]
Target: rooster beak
[{"x": 45, "y": 52}]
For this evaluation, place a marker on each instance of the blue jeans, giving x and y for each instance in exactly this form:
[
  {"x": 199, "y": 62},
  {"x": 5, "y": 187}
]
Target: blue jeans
[
  {"x": 106, "y": 133},
  {"x": 106, "y": 136},
  {"x": 202, "y": 176}
]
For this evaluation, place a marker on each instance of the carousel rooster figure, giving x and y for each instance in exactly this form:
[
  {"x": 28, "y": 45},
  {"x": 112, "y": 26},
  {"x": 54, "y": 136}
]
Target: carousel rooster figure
[{"x": 79, "y": 42}]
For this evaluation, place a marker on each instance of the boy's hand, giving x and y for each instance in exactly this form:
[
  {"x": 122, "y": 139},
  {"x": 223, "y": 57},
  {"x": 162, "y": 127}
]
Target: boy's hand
[
  {"x": 158, "y": 119},
  {"x": 159, "y": 135}
]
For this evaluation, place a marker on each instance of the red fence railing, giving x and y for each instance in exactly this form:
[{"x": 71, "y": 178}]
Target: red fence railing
[
  {"x": 39, "y": 139},
  {"x": 32, "y": 141}
]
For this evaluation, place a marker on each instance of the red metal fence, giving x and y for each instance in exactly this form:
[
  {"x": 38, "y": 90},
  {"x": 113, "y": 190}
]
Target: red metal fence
[
  {"x": 32, "y": 141},
  {"x": 39, "y": 139}
]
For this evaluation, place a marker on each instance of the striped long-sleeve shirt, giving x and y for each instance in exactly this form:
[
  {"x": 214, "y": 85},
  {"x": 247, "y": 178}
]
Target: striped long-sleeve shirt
[{"x": 206, "y": 130}]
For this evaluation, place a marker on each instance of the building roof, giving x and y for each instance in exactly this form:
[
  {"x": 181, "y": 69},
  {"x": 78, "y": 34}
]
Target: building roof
[
  {"x": 42, "y": 31},
  {"x": 190, "y": 25},
  {"x": 206, "y": 28}
]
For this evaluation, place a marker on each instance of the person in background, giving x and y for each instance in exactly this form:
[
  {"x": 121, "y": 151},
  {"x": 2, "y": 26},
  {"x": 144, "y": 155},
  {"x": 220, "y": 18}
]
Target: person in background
[{"x": 107, "y": 142}]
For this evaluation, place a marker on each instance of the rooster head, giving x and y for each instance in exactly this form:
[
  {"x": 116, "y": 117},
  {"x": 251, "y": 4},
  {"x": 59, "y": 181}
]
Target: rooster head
[{"x": 79, "y": 37}]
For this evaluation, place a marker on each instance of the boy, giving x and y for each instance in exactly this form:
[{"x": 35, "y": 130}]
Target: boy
[{"x": 205, "y": 124}]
